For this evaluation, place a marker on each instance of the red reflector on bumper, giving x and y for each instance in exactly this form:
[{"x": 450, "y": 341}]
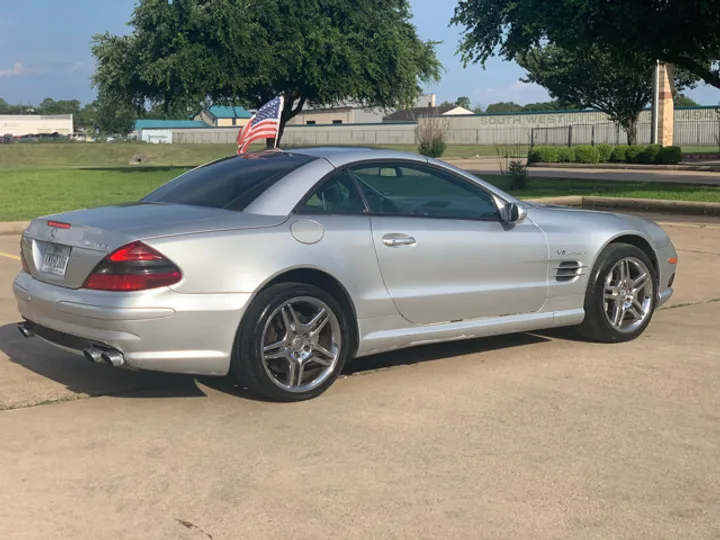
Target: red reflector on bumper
[{"x": 130, "y": 282}]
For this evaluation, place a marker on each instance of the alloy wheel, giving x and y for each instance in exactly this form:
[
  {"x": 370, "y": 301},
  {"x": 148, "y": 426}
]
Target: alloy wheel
[
  {"x": 301, "y": 344},
  {"x": 628, "y": 297}
]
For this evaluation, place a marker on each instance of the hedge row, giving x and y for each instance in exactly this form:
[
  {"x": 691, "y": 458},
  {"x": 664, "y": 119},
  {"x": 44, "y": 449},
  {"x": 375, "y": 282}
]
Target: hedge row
[{"x": 604, "y": 153}]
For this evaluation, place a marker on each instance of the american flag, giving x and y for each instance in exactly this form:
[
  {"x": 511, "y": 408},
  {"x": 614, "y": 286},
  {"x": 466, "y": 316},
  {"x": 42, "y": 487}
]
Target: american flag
[{"x": 264, "y": 125}]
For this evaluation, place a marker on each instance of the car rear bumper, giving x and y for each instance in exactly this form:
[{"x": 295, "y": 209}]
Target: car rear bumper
[{"x": 159, "y": 329}]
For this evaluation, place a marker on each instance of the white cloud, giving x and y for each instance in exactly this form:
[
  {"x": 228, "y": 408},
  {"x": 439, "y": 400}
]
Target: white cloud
[
  {"x": 519, "y": 86},
  {"x": 77, "y": 66},
  {"x": 519, "y": 92},
  {"x": 16, "y": 69}
]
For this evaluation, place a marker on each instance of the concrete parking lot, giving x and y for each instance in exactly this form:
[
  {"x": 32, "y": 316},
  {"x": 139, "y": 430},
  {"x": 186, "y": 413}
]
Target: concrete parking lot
[{"x": 527, "y": 436}]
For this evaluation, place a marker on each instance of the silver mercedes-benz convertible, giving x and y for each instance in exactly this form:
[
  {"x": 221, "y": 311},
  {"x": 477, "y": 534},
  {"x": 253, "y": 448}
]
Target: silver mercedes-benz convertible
[{"x": 278, "y": 266}]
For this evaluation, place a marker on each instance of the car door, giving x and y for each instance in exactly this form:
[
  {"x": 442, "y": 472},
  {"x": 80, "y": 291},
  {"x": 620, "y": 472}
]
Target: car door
[{"x": 443, "y": 250}]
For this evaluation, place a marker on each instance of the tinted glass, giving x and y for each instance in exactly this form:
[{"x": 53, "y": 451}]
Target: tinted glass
[
  {"x": 338, "y": 195},
  {"x": 231, "y": 183},
  {"x": 414, "y": 190}
]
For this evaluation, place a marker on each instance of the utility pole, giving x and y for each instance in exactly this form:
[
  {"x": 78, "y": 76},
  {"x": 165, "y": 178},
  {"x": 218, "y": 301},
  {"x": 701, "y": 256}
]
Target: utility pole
[{"x": 655, "y": 103}]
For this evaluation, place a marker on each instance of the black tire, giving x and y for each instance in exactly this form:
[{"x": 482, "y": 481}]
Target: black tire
[
  {"x": 247, "y": 364},
  {"x": 596, "y": 325}
]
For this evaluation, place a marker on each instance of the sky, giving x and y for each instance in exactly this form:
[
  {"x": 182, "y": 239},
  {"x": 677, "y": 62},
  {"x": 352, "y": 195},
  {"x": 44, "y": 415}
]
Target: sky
[{"x": 45, "y": 52}]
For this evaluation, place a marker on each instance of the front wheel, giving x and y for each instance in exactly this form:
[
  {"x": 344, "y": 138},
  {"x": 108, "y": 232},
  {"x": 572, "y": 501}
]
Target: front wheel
[
  {"x": 620, "y": 299},
  {"x": 292, "y": 344}
]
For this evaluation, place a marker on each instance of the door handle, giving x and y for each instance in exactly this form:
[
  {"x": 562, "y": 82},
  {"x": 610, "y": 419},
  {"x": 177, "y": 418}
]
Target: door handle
[{"x": 398, "y": 240}]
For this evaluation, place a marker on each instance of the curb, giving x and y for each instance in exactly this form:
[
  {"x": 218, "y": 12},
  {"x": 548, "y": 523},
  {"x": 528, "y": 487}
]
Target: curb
[
  {"x": 13, "y": 227},
  {"x": 644, "y": 205},
  {"x": 627, "y": 166}
]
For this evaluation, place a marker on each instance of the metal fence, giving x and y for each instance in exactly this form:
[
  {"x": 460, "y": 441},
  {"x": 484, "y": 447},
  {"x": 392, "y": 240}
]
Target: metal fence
[
  {"x": 686, "y": 133},
  {"x": 697, "y": 133}
]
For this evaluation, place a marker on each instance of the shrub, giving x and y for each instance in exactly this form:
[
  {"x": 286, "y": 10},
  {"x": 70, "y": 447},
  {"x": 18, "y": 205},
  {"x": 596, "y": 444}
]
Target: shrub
[
  {"x": 587, "y": 154},
  {"x": 517, "y": 174},
  {"x": 605, "y": 152},
  {"x": 433, "y": 149},
  {"x": 670, "y": 155},
  {"x": 565, "y": 155},
  {"x": 543, "y": 154},
  {"x": 650, "y": 154},
  {"x": 430, "y": 133},
  {"x": 633, "y": 154},
  {"x": 619, "y": 154}
]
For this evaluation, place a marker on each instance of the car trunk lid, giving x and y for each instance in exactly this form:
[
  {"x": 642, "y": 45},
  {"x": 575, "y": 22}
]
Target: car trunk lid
[{"x": 63, "y": 249}]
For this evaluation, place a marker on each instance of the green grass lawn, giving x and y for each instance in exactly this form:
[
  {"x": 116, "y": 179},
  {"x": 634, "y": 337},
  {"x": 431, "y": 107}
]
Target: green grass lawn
[
  {"x": 79, "y": 154},
  {"x": 28, "y": 193}
]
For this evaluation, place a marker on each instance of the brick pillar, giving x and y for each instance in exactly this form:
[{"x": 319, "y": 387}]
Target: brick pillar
[{"x": 666, "y": 107}]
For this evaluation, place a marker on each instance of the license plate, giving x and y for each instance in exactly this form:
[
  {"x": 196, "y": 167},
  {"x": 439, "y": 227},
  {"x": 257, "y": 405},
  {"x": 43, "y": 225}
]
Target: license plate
[{"x": 55, "y": 260}]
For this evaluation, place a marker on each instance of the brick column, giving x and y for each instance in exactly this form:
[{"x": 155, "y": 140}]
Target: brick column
[{"x": 666, "y": 107}]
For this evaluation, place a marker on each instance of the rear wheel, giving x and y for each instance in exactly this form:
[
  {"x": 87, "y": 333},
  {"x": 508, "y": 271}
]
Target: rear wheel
[
  {"x": 620, "y": 299},
  {"x": 292, "y": 344}
]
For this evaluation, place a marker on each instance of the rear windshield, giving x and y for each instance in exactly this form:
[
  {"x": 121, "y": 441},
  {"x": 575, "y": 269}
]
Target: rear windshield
[{"x": 231, "y": 183}]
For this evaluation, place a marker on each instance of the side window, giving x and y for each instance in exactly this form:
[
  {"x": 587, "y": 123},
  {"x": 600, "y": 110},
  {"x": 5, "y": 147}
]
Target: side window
[
  {"x": 337, "y": 195},
  {"x": 415, "y": 190}
]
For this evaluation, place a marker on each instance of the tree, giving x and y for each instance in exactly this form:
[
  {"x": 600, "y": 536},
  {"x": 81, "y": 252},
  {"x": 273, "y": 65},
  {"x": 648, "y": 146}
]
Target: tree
[
  {"x": 681, "y": 100},
  {"x": 681, "y": 32},
  {"x": 187, "y": 53},
  {"x": 464, "y": 102},
  {"x": 503, "y": 107},
  {"x": 592, "y": 77},
  {"x": 112, "y": 118},
  {"x": 539, "y": 107},
  {"x": 478, "y": 109}
]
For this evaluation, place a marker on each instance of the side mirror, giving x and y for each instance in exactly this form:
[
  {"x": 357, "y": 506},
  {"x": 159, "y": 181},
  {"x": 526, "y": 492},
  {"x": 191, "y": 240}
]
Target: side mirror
[{"x": 515, "y": 213}]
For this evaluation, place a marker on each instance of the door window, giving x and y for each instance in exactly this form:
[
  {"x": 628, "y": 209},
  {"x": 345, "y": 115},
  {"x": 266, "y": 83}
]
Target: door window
[
  {"x": 417, "y": 190},
  {"x": 337, "y": 195}
]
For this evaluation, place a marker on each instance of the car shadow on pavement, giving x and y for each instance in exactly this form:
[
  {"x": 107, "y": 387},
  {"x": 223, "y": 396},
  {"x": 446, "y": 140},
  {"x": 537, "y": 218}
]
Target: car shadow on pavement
[
  {"x": 440, "y": 351},
  {"x": 402, "y": 357},
  {"x": 80, "y": 376}
]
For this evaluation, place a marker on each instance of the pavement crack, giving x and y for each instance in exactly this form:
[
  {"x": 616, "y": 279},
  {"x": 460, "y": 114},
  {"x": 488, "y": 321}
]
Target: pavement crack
[
  {"x": 689, "y": 304},
  {"x": 697, "y": 251},
  {"x": 192, "y": 526},
  {"x": 31, "y": 404}
]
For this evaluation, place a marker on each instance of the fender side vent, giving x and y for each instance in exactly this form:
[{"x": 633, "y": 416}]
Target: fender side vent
[{"x": 568, "y": 271}]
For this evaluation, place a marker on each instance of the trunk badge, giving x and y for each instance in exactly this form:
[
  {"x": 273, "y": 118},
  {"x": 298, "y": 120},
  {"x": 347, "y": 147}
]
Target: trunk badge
[{"x": 98, "y": 245}]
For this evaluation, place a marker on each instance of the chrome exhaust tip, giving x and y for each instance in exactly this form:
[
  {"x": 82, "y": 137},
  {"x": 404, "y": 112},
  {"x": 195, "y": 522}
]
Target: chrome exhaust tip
[
  {"x": 113, "y": 358},
  {"x": 26, "y": 330},
  {"x": 93, "y": 354}
]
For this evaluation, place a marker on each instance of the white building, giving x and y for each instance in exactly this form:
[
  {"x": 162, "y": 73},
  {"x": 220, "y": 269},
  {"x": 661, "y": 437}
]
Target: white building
[
  {"x": 350, "y": 113},
  {"x": 31, "y": 124}
]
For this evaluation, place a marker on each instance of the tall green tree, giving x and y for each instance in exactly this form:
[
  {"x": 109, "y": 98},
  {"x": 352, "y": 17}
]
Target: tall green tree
[
  {"x": 464, "y": 101},
  {"x": 189, "y": 52},
  {"x": 681, "y": 100},
  {"x": 504, "y": 107},
  {"x": 682, "y": 32},
  {"x": 593, "y": 77}
]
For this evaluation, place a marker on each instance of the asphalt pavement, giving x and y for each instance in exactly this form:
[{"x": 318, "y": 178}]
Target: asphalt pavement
[{"x": 534, "y": 436}]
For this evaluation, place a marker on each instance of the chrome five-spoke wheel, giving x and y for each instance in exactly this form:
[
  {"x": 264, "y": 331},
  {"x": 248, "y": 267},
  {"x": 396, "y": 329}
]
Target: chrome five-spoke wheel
[
  {"x": 621, "y": 295},
  {"x": 301, "y": 344},
  {"x": 629, "y": 290}
]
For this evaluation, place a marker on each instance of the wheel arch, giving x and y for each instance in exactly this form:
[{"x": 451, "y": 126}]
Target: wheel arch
[
  {"x": 640, "y": 242},
  {"x": 330, "y": 284}
]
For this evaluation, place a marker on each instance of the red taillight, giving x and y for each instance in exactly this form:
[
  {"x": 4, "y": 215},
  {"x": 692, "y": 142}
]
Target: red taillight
[
  {"x": 134, "y": 267},
  {"x": 58, "y": 225},
  {"x": 137, "y": 251}
]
